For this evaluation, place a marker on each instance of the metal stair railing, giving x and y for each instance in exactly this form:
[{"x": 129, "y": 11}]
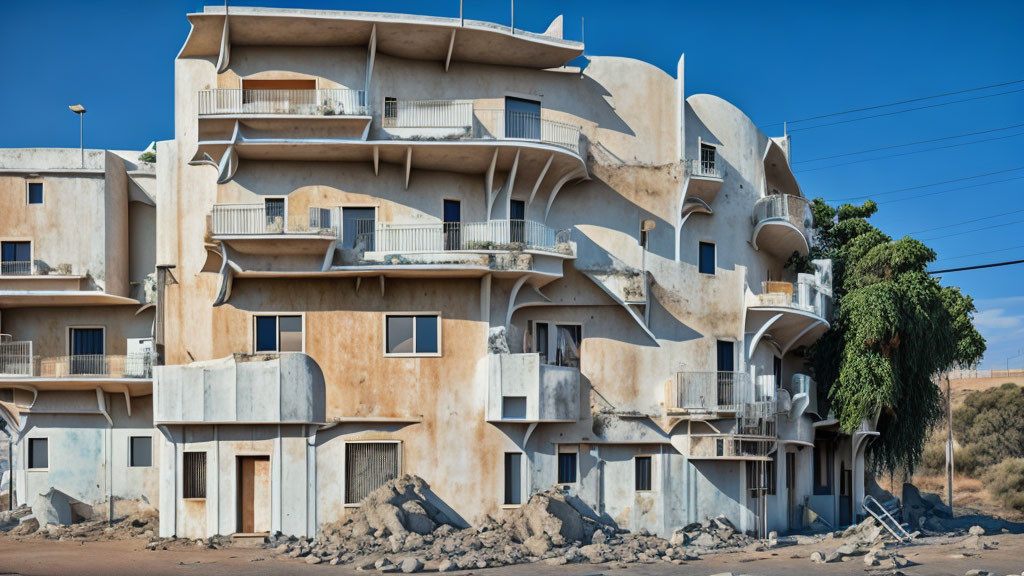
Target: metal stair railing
[{"x": 886, "y": 519}]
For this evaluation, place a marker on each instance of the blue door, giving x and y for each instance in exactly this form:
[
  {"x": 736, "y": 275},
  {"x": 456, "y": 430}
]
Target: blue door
[{"x": 452, "y": 225}]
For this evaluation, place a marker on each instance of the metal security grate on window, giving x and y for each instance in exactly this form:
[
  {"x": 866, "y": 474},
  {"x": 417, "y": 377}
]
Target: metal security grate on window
[
  {"x": 368, "y": 465},
  {"x": 194, "y": 475}
]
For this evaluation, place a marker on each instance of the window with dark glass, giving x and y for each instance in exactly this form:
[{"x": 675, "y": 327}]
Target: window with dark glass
[
  {"x": 357, "y": 228},
  {"x": 35, "y": 192},
  {"x": 140, "y": 451},
  {"x": 277, "y": 333},
  {"x": 412, "y": 335},
  {"x": 513, "y": 476},
  {"x": 87, "y": 351},
  {"x": 707, "y": 159},
  {"x": 706, "y": 264},
  {"x": 643, "y": 472},
  {"x": 567, "y": 345},
  {"x": 38, "y": 453},
  {"x": 15, "y": 258},
  {"x": 566, "y": 467}
]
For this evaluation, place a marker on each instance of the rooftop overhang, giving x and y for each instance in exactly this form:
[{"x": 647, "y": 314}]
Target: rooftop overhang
[
  {"x": 132, "y": 386},
  {"x": 37, "y": 298},
  {"x": 780, "y": 238},
  {"x": 788, "y": 327},
  {"x": 404, "y": 36},
  {"x": 291, "y": 244}
]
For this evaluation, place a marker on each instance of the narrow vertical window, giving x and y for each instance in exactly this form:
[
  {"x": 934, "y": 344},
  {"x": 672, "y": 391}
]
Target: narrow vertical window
[
  {"x": 642, "y": 465},
  {"x": 567, "y": 466},
  {"x": 513, "y": 478},
  {"x": 35, "y": 192},
  {"x": 706, "y": 264},
  {"x": 38, "y": 453},
  {"x": 193, "y": 475},
  {"x": 707, "y": 160},
  {"x": 542, "y": 341}
]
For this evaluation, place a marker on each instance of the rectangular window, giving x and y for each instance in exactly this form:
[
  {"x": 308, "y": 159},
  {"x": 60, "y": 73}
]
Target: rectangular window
[
  {"x": 273, "y": 208},
  {"x": 522, "y": 118},
  {"x": 513, "y": 407},
  {"x": 566, "y": 467},
  {"x": 643, "y": 473},
  {"x": 88, "y": 351},
  {"x": 390, "y": 112},
  {"x": 140, "y": 451},
  {"x": 706, "y": 265},
  {"x": 761, "y": 478},
  {"x": 38, "y": 453},
  {"x": 277, "y": 334},
  {"x": 368, "y": 465},
  {"x": 35, "y": 192},
  {"x": 418, "y": 335},
  {"x": 513, "y": 478},
  {"x": 707, "y": 159},
  {"x": 357, "y": 229},
  {"x": 193, "y": 475},
  {"x": 542, "y": 341},
  {"x": 517, "y": 221},
  {"x": 567, "y": 352},
  {"x": 452, "y": 225},
  {"x": 822, "y": 467},
  {"x": 15, "y": 258}
]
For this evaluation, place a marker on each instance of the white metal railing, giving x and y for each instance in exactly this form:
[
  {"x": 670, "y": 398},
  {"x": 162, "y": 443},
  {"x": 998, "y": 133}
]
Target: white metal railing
[
  {"x": 329, "y": 102},
  {"x": 710, "y": 446},
  {"x": 270, "y": 218},
  {"x": 794, "y": 209},
  {"x": 428, "y": 114},
  {"x": 709, "y": 391},
  {"x": 97, "y": 365},
  {"x": 16, "y": 268},
  {"x": 703, "y": 168},
  {"x": 16, "y": 358},
  {"x": 527, "y": 126},
  {"x": 490, "y": 235}
]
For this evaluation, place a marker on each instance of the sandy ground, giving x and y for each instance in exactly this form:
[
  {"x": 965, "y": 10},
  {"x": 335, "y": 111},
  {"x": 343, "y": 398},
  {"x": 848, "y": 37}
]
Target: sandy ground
[{"x": 933, "y": 556}]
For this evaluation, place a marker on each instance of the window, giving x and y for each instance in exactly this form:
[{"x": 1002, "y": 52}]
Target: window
[
  {"x": 567, "y": 351},
  {"x": 542, "y": 341},
  {"x": 517, "y": 221},
  {"x": 87, "y": 350},
  {"x": 707, "y": 159},
  {"x": 38, "y": 453},
  {"x": 274, "y": 210},
  {"x": 418, "y": 335},
  {"x": 390, "y": 112},
  {"x": 822, "y": 467},
  {"x": 357, "y": 228},
  {"x": 140, "y": 451},
  {"x": 522, "y": 118},
  {"x": 513, "y": 478},
  {"x": 706, "y": 258},
  {"x": 368, "y": 466},
  {"x": 643, "y": 472},
  {"x": 452, "y": 225},
  {"x": 567, "y": 465},
  {"x": 193, "y": 475},
  {"x": 35, "y": 192},
  {"x": 15, "y": 258},
  {"x": 277, "y": 334}
]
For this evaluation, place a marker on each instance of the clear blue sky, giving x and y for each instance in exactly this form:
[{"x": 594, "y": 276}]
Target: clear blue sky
[{"x": 776, "y": 61}]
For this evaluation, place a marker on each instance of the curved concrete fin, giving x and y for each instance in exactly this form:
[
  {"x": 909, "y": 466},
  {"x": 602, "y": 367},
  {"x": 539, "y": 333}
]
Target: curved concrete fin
[
  {"x": 224, "y": 58},
  {"x": 555, "y": 28},
  {"x": 578, "y": 173},
  {"x": 629, "y": 310}
]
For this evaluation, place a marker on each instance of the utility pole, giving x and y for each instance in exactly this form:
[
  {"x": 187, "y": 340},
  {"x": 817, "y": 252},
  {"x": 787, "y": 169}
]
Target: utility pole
[
  {"x": 80, "y": 111},
  {"x": 949, "y": 445}
]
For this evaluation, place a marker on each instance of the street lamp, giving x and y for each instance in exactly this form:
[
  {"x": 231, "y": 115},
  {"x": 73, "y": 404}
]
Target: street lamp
[{"x": 80, "y": 110}]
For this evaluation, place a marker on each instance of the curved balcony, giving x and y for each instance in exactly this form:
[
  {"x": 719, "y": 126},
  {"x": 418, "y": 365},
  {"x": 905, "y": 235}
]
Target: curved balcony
[
  {"x": 521, "y": 389},
  {"x": 794, "y": 314},
  {"x": 286, "y": 388},
  {"x": 705, "y": 178},
  {"x": 782, "y": 225}
]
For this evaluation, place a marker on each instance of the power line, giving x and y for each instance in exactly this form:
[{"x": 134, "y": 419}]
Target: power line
[
  {"x": 979, "y": 253},
  {"x": 965, "y": 222},
  {"x": 897, "y": 190},
  {"x": 916, "y": 196},
  {"x": 1003, "y": 225},
  {"x": 908, "y": 153},
  {"x": 909, "y": 101},
  {"x": 907, "y": 110},
  {"x": 978, "y": 267},
  {"x": 834, "y": 156}
]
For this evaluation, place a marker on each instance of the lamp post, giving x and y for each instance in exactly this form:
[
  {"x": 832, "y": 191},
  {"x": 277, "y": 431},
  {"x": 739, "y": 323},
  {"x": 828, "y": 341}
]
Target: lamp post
[{"x": 80, "y": 110}]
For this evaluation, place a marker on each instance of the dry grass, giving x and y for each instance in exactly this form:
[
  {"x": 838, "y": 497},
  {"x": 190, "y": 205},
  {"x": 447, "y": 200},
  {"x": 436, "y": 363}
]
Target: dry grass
[{"x": 969, "y": 494}]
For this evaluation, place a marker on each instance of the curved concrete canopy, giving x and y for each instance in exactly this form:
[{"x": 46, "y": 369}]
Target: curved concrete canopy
[
  {"x": 777, "y": 171},
  {"x": 780, "y": 238},
  {"x": 399, "y": 35},
  {"x": 790, "y": 327}
]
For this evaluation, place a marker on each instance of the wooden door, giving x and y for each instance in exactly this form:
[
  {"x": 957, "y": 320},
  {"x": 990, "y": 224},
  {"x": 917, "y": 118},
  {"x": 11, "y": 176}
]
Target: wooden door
[{"x": 253, "y": 494}]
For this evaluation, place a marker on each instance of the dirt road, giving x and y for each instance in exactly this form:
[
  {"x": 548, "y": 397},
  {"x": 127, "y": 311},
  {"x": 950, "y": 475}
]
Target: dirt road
[{"x": 933, "y": 556}]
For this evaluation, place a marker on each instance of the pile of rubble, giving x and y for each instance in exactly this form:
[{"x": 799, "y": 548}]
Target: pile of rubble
[
  {"x": 403, "y": 526},
  {"x": 868, "y": 539},
  {"x": 24, "y": 521}
]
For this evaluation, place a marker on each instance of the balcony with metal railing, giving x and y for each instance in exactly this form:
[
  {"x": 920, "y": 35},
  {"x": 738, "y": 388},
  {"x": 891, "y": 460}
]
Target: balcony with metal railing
[
  {"x": 268, "y": 228},
  {"x": 783, "y": 224},
  {"x": 17, "y": 361},
  {"x": 246, "y": 102},
  {"x": 805, "y": 295},
  {"x": 714, "y": 394},
  {"x": 704, "y": 178},
  {"x": 730, "y": 447}
]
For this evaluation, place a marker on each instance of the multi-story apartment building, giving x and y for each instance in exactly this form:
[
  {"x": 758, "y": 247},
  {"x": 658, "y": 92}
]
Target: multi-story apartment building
[
  {"x": 77, "y": 240},
  {"x": 395, "y": 244}
]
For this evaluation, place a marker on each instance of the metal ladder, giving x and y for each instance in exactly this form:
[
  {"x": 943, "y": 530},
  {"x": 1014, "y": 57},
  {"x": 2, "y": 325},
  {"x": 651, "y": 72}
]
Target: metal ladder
[{"x": 886, "y": 519}]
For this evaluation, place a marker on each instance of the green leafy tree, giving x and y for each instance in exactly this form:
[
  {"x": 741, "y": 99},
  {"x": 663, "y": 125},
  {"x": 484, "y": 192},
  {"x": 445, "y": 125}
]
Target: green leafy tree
[
  {"x": 989, "y": 426},
  {"x": 894, "y": 328}
]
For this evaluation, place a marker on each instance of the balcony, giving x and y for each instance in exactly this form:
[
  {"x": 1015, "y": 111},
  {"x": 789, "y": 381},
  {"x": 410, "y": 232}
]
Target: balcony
[
  {"x": 521, "y": 389},
  {"x": 265, "y": 228},
  {"x": 18, "y": 362},
  {"x": 705, "y": 178},
  {"x": 711, "y": 394},
  {"x": 783, "y": 225},
  {"x": 730, "y": 447},
  {"x": 286, "y": 388},
  {"x": 793, "y": 314},
  {"x": 239, "y": 102},
  {"x": 804, "y": 296}
]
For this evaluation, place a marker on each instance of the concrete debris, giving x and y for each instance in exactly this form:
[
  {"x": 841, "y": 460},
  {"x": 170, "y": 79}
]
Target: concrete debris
[
  {"x": 53, "y": 507},
  {"x": 404, "y": 527},
  {"x": 867, "y": 539},
  {"x": 25, "y": 521}
]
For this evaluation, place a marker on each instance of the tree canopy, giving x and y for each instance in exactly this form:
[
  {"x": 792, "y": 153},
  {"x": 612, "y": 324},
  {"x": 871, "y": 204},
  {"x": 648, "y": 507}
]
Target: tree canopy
[{"x": 895, "y": 327}]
